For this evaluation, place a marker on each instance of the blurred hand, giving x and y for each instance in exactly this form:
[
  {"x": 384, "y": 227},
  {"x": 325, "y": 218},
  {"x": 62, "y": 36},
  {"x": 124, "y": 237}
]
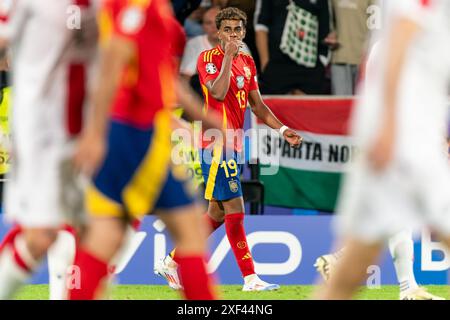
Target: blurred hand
[
  {"x": 331, "y": 40},
  {"x": 89, "y": 152},
  {"x": 292, "y": 138}
]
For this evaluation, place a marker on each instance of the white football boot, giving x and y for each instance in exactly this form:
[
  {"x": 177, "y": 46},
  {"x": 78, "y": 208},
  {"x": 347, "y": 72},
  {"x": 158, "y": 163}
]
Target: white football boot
[
  {"x": 168, "y": 269},
  {"x": 254, "y": 283}
]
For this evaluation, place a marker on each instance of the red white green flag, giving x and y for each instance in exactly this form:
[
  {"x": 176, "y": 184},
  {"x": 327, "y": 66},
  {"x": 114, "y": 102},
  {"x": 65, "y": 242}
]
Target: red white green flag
[{"x": 308, "y": 177}]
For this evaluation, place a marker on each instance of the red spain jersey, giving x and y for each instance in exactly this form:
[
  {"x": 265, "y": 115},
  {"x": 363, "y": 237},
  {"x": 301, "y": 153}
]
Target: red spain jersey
[
  {"x": 147, "y": 83},
  {"x": 243, "y": 80}
]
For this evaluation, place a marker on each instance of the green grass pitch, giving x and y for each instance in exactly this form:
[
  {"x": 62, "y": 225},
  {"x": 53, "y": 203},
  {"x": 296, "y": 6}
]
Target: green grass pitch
[{"x": 228, "y": 292}]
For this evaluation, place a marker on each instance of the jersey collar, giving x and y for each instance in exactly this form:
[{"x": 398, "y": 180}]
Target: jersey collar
[{"x": 220, "y": 49}]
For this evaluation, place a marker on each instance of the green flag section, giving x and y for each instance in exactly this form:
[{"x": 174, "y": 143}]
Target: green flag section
[
  {"x": 308, "y": 177},
  {"x": 302, "y": 189}
]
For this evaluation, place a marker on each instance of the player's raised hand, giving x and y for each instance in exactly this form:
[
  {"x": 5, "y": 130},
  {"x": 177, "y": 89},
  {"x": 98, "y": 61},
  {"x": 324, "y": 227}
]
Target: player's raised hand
[
  {"x": 232, "y": 48},
  {"x": 292, "y": 138}
]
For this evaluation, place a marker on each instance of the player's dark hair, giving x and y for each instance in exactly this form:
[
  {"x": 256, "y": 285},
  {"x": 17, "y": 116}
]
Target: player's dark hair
[{"x": 231, "y": 13}]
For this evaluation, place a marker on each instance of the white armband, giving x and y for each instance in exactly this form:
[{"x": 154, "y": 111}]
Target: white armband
[{"x": 283, "y": 129}]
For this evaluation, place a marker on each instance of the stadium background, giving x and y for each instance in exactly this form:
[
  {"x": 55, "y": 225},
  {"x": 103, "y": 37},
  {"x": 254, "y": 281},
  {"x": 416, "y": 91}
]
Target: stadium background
[{"x": 285, "y": 241}]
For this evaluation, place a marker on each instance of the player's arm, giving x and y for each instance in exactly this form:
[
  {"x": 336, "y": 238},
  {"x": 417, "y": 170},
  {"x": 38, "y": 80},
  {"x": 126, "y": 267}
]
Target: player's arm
[
  {"x": 220, "y": 85},
  {"x": 114, "y": 57},
  {"x": 262, "y": 111},
  {"x": 402, "y": 35}
]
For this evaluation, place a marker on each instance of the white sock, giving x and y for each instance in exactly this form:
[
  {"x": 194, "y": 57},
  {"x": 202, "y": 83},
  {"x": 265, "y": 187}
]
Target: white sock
[
  {"x": 401, "y": 247},
  {"x": 61, "y": 256},
  {"x": 12, "y": 275}
]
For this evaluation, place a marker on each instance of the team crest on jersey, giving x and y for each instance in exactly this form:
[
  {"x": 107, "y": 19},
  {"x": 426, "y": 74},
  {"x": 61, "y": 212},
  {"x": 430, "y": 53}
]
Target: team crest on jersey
[
  {"x": 240, "y": 81},
  {"x": 233, "y": 186},
  {"x": 211, "y": 68},
  {"x": 132, "y": 19},
  {"x": 248, "y": 73}
]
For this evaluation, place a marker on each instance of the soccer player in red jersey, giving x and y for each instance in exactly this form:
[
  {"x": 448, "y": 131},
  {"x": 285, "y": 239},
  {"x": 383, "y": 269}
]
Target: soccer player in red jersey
[
  {"x": 137, "y": 81},
  {"x": 228, "y": 79}
]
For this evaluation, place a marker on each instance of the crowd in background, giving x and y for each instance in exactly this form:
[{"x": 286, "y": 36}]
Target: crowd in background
[{"x": 300, "y": 46}]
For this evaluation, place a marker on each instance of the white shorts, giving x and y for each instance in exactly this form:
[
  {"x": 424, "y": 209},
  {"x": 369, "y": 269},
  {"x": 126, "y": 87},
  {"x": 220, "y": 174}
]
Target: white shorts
[{"x": 373, "y": 207}]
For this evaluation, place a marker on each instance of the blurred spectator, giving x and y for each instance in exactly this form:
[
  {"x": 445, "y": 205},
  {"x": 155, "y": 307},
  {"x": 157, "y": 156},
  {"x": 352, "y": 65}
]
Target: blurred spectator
[
  {"x": 300, "y": 67},
  {"x": 197, "y": 45},
  {"x": 184, "y": 8},
  {"x": 188, "y": 16},
  {"x": 348, "y": 41},
  {"x": 4, "y": 67}
]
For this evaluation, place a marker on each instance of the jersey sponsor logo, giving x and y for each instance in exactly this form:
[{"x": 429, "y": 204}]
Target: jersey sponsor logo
[
  {"x": 233, "y": 186},
  {"x": 248, "y": 73},
  {"x": 211, "y": 68},
  {"x": 240, "y": 82},
  {"x": 132, "y": 19}
]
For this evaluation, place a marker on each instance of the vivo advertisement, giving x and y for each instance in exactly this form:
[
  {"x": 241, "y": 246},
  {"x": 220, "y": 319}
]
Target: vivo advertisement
[{"x": 284, "y": 249}]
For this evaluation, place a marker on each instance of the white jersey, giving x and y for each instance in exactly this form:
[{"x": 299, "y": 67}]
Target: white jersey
[
  {"x": 52, "y": 45},
  {"x": 48, "y": 60},
  {"x": 415, "y": 187},
  {"x": 422, "y": 95}
]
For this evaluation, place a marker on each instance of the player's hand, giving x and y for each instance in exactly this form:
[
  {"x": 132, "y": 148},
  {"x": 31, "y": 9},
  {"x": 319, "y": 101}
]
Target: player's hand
[
  {"x": 292, "y": 138},
  {"x": 232, "y": 48},
  {"x": 382, "y": 151},
  {"x": 89, "y": 152}
]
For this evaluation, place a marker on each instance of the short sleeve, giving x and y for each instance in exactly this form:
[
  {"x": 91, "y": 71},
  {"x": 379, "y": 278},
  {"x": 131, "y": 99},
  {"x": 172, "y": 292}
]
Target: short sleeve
[{"x": 207, "y": 67}]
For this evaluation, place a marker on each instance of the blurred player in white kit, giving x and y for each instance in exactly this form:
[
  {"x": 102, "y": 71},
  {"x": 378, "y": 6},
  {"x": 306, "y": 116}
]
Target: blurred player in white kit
[
  {"x": 401, "y": 244},
  {"x": 53, "y": 45},
  {"x": 401, "y": 180}
]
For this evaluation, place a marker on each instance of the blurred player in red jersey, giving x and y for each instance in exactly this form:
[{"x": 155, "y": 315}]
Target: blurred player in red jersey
[
  {"x": 51, "y": 63},
  {"x": 228, "y": 79},
  {"x": 137, "y": 83}
]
